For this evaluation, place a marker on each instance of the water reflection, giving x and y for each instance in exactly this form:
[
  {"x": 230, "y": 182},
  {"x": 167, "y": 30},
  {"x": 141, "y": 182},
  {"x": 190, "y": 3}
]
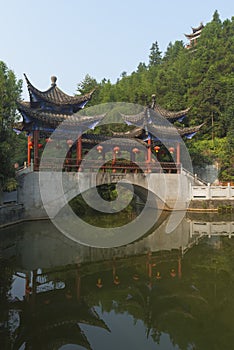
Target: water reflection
[{"x": 165, "y": 291}]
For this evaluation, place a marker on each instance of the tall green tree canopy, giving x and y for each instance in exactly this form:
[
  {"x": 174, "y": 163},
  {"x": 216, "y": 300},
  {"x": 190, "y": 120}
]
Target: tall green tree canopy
[
  {"x": 10, "y": 90},
  {"x": 201, "y": 78}
]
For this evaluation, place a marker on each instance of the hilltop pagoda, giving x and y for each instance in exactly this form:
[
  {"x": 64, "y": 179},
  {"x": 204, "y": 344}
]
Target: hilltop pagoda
[
  {"x": 46, "y": 110},
  {"x": 196, "y": 32}
]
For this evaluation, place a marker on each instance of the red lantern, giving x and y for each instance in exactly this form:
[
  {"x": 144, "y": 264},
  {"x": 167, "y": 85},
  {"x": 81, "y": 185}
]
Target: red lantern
[
  {"x": 69, "y": 143},
  {"x": 171, "y": 150},
  {"x": 48, "y": 140},
  {"x": 116, "y": 149},
  {"x": 40, "y": 145},
  {"x": 30, "y": 145},
  {"x": 99, "y": 148},
  {"x": 135, "y": 150},
  {"x": 156, "y": 148}
]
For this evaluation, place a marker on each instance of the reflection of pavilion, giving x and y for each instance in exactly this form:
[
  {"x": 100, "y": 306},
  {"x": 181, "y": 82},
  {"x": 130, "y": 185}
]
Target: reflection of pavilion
[
  {"x": 63, "y": 291},
  {"x": 51, "y": 318}
]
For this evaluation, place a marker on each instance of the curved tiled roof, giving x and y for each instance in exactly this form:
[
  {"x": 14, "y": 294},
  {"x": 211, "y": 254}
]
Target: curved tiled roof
[
  {"x": 193, "y": 35},
  {"x": 196, "y": 32},
  {"x": 55, "y": 95},
  {"x": 170, "y": 114},
  {"x": 200, "y": 27},
  {"x": 51, "y": 118},
  {"x": 189, "y": 130}
]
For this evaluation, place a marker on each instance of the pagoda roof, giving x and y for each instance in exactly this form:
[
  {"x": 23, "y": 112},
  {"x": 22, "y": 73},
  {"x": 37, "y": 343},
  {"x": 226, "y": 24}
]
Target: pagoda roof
[
  {"x": 54, "y": 95},
  {"x": 49, "y": 118},
  {"x": 170, "y": 115},
  {"x": 200, "y": 27},
  {"x": 193, "y": 35},
  {"x": 187, "y": 131},
  {"x": 195, "y": 32}
]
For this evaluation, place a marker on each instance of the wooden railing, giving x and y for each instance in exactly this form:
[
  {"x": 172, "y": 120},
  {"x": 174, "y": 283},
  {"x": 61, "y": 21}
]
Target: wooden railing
[{"x": 119, "y": 166}]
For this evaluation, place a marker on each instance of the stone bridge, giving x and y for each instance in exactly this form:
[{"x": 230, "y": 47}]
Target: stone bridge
[{"x": 55, "y": 189}]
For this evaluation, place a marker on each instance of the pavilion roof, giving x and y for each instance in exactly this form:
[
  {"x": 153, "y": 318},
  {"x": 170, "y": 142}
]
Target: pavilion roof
[
  {"x": 171, "y": 116},
  {"x": 196, "y": 29},
  {"x": 54, "y": 95},
  {"x": 49, "y": 118},
  {"x": 189, "y": 130},
  {"x": 193, "y": 35},
  {"x": 143, "y": 121}
]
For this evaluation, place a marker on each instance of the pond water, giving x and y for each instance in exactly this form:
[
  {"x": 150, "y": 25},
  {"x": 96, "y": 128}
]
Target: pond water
[{"x": 164, "y": 291}]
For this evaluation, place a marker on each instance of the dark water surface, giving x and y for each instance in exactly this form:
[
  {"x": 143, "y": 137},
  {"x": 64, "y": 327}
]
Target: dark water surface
[{"x": 165, "y": 291}]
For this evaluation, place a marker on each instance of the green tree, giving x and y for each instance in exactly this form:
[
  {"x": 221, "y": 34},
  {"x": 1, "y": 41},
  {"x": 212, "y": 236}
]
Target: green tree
[
  {"x": 87, "y": 85},
  {"x": 155, "y": 57},
  {"x": 200, "y": 78},
  {"x": 10, "y": 90}
]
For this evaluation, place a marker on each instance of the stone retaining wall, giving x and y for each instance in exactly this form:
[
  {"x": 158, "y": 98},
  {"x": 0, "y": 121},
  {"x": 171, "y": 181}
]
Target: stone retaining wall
[{"x": 10, "y": 214}]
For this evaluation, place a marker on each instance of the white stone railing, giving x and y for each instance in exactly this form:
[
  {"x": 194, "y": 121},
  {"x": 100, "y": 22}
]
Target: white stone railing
[
  {"x": 212, "y": 228},
  {"x": 212, "y": 192}
]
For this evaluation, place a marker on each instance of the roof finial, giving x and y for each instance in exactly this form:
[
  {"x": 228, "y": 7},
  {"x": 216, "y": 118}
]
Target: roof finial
[{"x": 53, "y": 80}]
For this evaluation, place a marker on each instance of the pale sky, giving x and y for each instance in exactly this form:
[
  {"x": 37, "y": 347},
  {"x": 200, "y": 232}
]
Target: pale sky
[{"x": 72, "y": 38}]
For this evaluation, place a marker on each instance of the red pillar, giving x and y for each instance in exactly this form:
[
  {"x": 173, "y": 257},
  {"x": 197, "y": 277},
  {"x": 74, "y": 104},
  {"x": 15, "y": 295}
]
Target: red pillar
[
  {"x": 79, "y": 150},
  {"x": 29, "y": 150},
  {"x": 149, "y": 150},
  {"x": 35, "y": 147},
  {"x": 149, "y": 153},
  {"x": 113, "y": 162},
  {"x": 178, "y": 153}
]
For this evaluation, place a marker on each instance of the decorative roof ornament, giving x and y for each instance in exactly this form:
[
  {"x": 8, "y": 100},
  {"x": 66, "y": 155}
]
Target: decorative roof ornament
[{"x": 53, "y": 80}]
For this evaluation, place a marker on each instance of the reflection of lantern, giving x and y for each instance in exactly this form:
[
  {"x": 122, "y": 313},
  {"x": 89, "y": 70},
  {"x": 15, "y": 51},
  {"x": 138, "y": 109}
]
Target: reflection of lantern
[
  {"x": 116, "y": 149},
  {"x": 30, "y": 145},
  {"x": 173, "y": 273},
  {"x": 136, "y": 277},
  {"x": 99, "y": 148},
  {"x": 69, "y": 143},
  {"x": 156, "y": 148},
  {"x": 158, "y": 275},
  {"x": 135, "y": 150},
  {"x": 116, "y": 280},
  {"x": 171, "y": 150},
  {"x": 99, "y": 283},
  {"x": 40, "y": 145}
]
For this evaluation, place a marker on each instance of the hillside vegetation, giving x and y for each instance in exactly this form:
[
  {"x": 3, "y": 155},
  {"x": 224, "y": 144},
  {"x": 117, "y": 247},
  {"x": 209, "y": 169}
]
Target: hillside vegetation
[{"x": 201, "y": 78}]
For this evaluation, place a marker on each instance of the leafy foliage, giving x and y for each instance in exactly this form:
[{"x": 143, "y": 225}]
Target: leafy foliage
[
  {"x": 201, "y": 78},
  {"x": 10, "y": 90}
]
